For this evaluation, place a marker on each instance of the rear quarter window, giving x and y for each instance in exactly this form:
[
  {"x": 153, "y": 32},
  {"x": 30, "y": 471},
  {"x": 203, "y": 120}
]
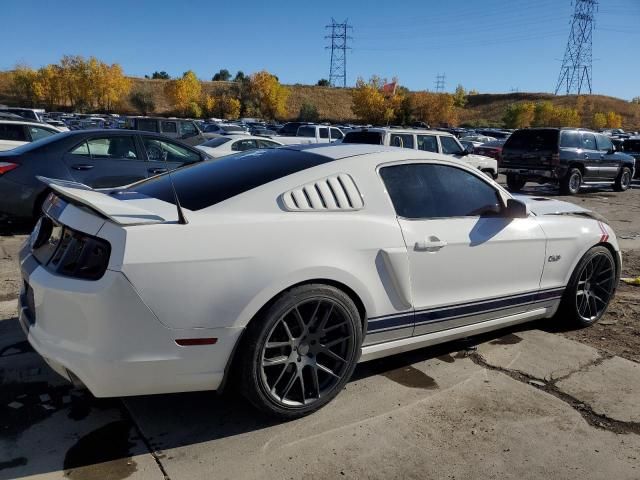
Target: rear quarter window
[
  {"x": 370, "y": 138},
  {"x": 570, "y": 139},
  {"x": 533, "y": 140}
]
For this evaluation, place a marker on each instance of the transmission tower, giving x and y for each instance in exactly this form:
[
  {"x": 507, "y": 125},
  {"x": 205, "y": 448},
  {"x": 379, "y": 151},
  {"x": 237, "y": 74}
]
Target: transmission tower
[
  {"x": 339, "y": 38},
  {"x": 575, "y": 73},
  {"x": 440, "y": 81}
]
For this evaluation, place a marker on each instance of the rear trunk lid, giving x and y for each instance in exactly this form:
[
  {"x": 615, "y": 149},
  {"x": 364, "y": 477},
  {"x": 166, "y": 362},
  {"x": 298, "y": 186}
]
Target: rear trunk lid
[{"x": 120, "y": 206}]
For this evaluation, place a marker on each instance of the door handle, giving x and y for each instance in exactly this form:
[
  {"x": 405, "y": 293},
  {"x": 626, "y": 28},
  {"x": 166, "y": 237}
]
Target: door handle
[
  {"x": 82, "y": 167},
  {"x": 431, "y": 244},
  {"x": 158, "y": 170}
]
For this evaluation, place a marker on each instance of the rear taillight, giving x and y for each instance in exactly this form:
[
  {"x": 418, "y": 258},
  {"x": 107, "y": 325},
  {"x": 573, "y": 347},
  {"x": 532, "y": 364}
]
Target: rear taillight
[
  {"x": 555, "y": 159},
  {"x": 7, "y": 167},
  {"x": 81, "y": 256}
]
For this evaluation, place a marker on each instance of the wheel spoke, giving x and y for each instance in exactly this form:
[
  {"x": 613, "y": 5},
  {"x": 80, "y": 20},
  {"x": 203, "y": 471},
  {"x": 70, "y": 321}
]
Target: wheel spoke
[
  {"x": 270, "y": 362},
  {"x": 325, "y": 319},
  {"x": 327, "y": 370},
  {"x": 316, "y": 381},
  {"x": 300, "y": 320},
  {"x": 333, "y": 327},
  {"x": 332, "y": 355},
  {"x": 335, "y": 342},
  {"x": 275, "y": 384},
  {"x": 290, "y": 384},
  {"x": 277, "y": 344}
]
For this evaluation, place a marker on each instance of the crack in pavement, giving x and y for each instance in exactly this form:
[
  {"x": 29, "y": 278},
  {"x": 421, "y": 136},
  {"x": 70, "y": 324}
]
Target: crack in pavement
[
  {"x": 596, "y": 420},
  {"x": 154, "y": 453}
]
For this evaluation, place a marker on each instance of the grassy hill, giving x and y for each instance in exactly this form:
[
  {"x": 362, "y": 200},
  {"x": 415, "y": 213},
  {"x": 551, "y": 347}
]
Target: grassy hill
[{"x": 335, "y": 103}]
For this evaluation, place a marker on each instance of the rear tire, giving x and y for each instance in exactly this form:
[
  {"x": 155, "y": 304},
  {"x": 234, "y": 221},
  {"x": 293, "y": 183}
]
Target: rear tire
[
  {"x": 298, "y": 354},
  {"x": 590, "y": 289},
  {"x": 571, "y": 182},
  {"x": 623, "y": 180},
  {"x": 515, "y": 182}
]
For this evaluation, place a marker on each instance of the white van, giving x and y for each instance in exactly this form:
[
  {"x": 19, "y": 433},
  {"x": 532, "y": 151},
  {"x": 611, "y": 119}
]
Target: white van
[{"x": 427, "y": 140}]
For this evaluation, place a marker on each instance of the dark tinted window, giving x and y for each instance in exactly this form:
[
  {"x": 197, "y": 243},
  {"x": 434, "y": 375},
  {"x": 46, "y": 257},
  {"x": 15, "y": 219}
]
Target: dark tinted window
[
  {"x": 534, "y": 139},
  {"x": 632, "y": 146},
  {"x": 428, "y": 143},
  {"x": 422, "y": 190},
  {"x": 267, "y": 144},
  {"x": 588, "y": 141},
  {"x": 336, "y": 134},
  {"x": 242, "y": 145},
  {"x": 324, "y": 132},
  {"x": 12, "y": 132},
  {"x": 370, "y": 138},
  {"x": 188, "y": 129},
  {"x": 402, "y": 140},
  {"x": 569, "y": 139},
  {"x": 307, "y": 132},
  {"x": 208, "y": 183},
  {"x": 147, "y": 125},
  {"x": 169, "y": 127}
]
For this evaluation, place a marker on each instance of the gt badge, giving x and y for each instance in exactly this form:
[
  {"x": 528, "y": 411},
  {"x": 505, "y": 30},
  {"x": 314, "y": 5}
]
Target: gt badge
[{"x": 554, "y": 258}]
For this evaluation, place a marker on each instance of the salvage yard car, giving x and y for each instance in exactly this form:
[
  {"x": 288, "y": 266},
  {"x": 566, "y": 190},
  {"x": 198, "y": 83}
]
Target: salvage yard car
[
  {"x": 97, "y": 158},
  {"x": 280, "y": 269},
  {"x": 568, "y": 157},
  {"x": 427, "y": 140},
  {"x": 223, "y": 146}
]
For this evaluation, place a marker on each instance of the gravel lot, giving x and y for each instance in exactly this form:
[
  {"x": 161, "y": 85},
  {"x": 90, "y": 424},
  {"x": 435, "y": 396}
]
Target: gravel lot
[{"x": 523, "y": 403}]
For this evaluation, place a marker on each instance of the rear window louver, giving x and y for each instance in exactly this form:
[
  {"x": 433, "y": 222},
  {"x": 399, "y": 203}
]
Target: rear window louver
[{"x": 335, "y": 193}]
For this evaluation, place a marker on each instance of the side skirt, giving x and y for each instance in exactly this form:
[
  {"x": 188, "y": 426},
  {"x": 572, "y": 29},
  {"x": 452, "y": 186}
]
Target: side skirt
[{"x": 385, "y": 349}]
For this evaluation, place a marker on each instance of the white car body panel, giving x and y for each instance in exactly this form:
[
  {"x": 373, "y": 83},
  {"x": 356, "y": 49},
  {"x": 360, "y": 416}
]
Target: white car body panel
[
  {"x": 11, "y": 144},
  {"x": 226, "y": 148},
  {"x": 209, "y": 278}
]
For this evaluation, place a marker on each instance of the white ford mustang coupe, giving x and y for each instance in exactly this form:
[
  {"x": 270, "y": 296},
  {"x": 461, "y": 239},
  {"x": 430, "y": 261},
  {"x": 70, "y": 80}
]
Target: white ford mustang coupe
[{"x": 283, "y": 268}]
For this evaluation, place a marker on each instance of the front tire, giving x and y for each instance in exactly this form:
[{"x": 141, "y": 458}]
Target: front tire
[
  {"x": 590, "y": 289},
  {"x": 623, "y": 180},
  {"x": 515, "y": 182},
  {"x": 570, "y": 184},
  {"x": 299, "y": 353}
]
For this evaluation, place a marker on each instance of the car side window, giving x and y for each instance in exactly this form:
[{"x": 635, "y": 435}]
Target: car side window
[
  {"x": 428, "y": 191},
  {"x": 37, "y": 133},
  {"x": 188, "y": 129},
  {"x": 450, "y": 146},
  {"x": 113, "y": 147},
  {"x": 12, "y": 132},
  {"x": 402, "y": 140},
  {"x": 588, "y": 141},
  {"x": 428, "y": 143},
  {"x": 82, "y": 150},
  {"x": 570, "y": 139},
  {"x": 161, "y": 150},
  {"x": 169, "y": 127},
  {"x": 242, "y": 145},
  {"x": 336, "y": 134},
  {"x": 604, "y": 143},
  {"x": 267, "y": 144},
  {"x": 324, "y": 132},
  {"x": 146, "y": 124}
]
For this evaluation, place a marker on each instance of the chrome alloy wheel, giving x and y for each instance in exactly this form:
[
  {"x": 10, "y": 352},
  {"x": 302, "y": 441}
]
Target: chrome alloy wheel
[
  {"x": 307, "y": 352},
  {"x": 595, "y": 287}
]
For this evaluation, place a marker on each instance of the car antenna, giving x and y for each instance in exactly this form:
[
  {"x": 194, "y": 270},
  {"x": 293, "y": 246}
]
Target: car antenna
[{"x": 181, "y": 218}]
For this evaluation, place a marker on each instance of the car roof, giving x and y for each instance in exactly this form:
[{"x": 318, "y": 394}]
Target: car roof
[
  {"x": 22, "y": 122},
  {"x": 240, "y": 136},
  {"x": 420, "y": 131}
]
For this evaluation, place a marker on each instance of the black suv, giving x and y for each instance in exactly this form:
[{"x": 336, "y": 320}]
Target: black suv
[
  {"x": 568, "y": 157},
  {"x": 631, "y": 146},
  {"x": 185, "y": 130}
]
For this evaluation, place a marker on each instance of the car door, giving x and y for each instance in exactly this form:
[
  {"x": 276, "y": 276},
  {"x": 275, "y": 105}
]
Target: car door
[
  {"x": 609, "y": 163},
  {"x": 106, "y": 161},
  {"x": 591, "y": 157},
  {"x": 164, "y": 155},
  {"x": 468, "y": 262}
]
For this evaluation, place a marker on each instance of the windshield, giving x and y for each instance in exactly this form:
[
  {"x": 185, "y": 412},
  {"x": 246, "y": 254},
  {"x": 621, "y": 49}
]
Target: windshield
[
  {"x": 533, "y": 139},
  {"x": 216, "y": 142}
]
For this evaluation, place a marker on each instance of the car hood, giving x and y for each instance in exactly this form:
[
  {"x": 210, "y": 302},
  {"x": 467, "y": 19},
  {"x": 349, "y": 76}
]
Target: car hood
[{"x": 549, "y": 206}]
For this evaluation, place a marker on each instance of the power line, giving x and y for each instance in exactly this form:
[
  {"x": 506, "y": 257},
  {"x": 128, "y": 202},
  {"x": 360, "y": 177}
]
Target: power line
[
  {"x": 338, "y": 65},
  {"x": 576, "y": 71}
]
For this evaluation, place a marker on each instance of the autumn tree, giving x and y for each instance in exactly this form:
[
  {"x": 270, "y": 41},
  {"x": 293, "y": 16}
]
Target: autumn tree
[
  {"x": 48, "y": 86},
  {"x": 185, "y": 93},
  {"x": 240, "y": 76},
  {"x": 308, "y": 113},
  {"x": 614, "y": 120},
  {"x": 599, "y": 120},
  {"x": 460, "y": 97},
  {"x": 267, "y": 95},
  {"x": 23, "y": 84},
  {"x": 368, "y": 100},
  {"x": 222, "y": 76},
  {"x": 142, "y": 100},
  {"x": 434, "y": 108},
  {"x": 519, "y": 115}
]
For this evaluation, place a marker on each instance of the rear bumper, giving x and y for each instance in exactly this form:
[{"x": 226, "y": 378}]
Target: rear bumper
[
  {"x": 548, "y": 174},
  {"x": 101, "y": 334}
]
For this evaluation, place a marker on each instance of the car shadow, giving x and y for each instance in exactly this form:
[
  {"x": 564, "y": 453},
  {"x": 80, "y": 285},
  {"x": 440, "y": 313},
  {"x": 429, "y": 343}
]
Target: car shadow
[
  {"x": 10, "y": 228},
  {"x": 156, "y": 422}
]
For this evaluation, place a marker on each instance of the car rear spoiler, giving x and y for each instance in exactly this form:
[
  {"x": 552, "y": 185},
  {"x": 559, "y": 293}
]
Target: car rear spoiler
[{"x": 119, "y": 211}]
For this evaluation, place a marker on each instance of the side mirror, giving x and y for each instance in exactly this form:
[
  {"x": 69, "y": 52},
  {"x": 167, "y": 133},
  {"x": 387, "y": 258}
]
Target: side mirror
[
  {"x": 516, "y": 209},
  {"x": 612, "y": 150},
  {"x": 464, "y": 153}
]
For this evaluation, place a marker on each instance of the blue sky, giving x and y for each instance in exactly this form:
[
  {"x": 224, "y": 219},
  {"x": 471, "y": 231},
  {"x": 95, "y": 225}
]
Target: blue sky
[{"x": 489, "y": 45}]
